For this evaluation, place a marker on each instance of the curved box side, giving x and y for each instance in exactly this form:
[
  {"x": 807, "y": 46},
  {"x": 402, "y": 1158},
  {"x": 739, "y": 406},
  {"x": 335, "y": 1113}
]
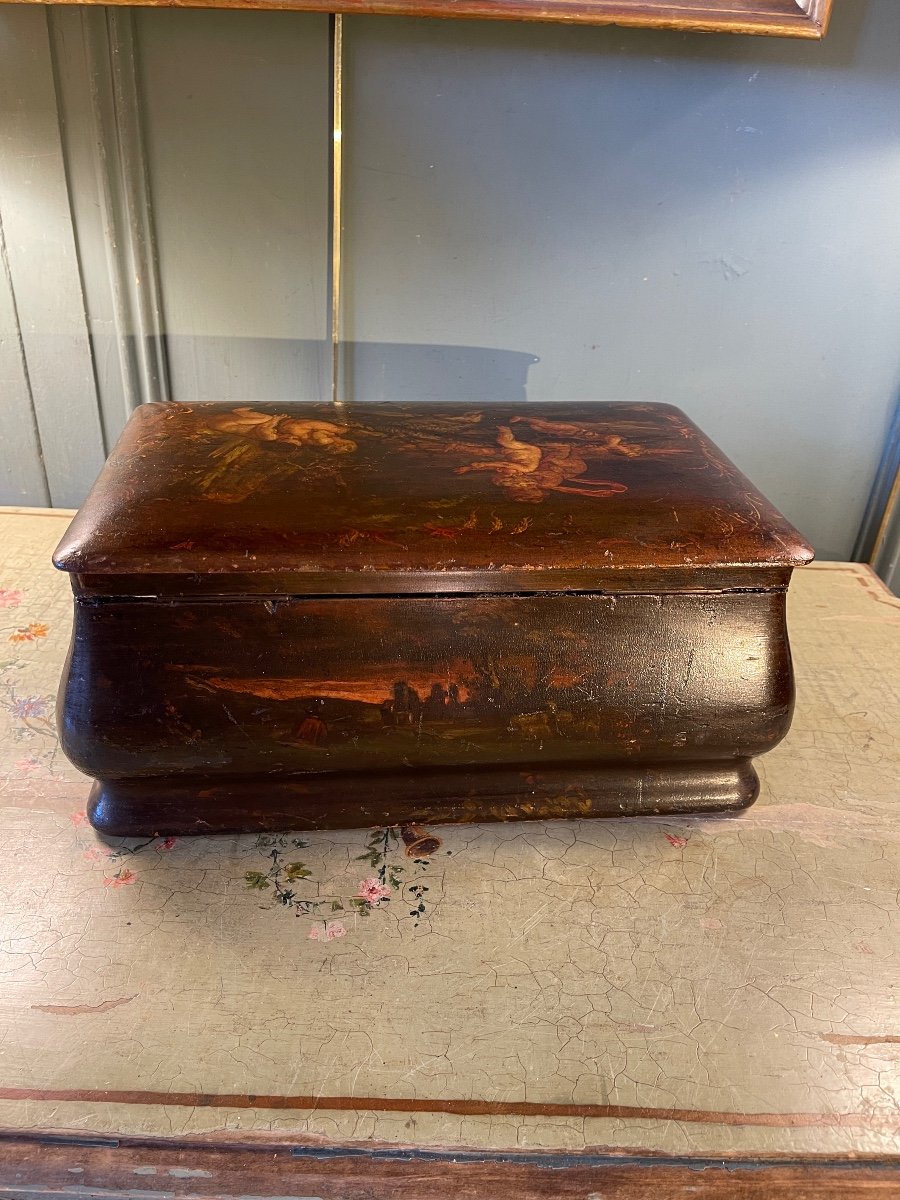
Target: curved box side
[
  {"x": 289, "y": 613},
  {"x": 406, "y": 689}
]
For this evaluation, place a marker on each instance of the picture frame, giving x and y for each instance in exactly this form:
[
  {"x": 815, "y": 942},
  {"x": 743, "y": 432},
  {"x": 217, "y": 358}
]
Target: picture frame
[{"x": 777, "y": 18}]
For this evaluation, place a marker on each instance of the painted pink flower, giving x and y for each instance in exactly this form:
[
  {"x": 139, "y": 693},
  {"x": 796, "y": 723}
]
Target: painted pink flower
[
  {"x": 10, "y": 597},
  {"x": 328, "y": 932},
  {"x": 27, "y": 765},
  {"x": 78, "y": 818},
  {"x": 675, "y": 840},
  {"x": 373, "y": 891},
  {"x": 96, "y": 855},
  {"x": 120, "y": 879},
  {"x": 167, "y": 843}
]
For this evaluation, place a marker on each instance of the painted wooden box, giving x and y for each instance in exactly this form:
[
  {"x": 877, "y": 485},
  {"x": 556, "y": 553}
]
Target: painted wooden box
[{"x": 300, "y": 616}]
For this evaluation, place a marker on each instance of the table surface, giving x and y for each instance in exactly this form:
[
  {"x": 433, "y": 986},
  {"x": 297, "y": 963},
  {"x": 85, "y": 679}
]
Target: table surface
[{"x": 696, "y": 986}]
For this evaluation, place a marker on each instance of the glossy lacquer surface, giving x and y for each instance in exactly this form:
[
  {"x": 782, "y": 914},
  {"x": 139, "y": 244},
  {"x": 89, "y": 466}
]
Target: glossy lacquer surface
[
  {"x": 309, "y": 498},
  {"x": 347, "y": 712},
  {"x": 307, "y": 617}
]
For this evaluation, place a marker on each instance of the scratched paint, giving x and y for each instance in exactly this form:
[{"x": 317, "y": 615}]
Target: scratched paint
[{"x": 81, "y": 1010}]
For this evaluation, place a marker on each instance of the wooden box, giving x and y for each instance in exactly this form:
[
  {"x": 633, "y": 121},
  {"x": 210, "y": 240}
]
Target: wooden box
[{"x": 299, "y": 616}]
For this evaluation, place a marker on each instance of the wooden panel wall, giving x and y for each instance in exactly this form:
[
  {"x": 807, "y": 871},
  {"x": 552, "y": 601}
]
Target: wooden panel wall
[
  {"x": 53, "y": 394},
  {"x": 532, "y": 212},
  {"x": 163, "y": 224}
]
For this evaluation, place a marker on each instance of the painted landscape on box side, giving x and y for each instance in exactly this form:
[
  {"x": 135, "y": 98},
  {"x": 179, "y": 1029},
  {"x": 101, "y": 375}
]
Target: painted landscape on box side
[
  {"x": 435, "y": 683},
  {"x": 368, "y": 684}
]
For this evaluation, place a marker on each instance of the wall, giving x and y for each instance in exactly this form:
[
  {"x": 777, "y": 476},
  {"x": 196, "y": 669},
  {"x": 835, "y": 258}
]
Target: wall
[{"x": 532, "y": 212}]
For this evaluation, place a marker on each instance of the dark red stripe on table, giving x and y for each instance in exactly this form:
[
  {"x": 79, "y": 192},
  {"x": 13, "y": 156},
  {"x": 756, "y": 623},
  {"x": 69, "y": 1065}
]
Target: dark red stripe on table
[{"x": 462, "y": 1108}]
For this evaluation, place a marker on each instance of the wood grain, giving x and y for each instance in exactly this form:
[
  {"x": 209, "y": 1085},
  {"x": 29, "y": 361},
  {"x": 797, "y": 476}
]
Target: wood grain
[
  {"x": 782, "y": 18},
  {"x": 142, "y": 1167}
]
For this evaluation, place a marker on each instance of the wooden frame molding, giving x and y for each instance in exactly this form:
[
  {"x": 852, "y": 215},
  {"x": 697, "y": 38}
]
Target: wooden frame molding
[
  {"x": 41, "y": 1164},
  {"x": 49, "y": 354},
  {"x": 779, "y": 18},
  {"x": 101, "y": 119}
]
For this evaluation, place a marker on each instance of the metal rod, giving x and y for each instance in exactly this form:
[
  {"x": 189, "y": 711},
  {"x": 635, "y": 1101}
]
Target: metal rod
[{"x": 337, "y": 198}]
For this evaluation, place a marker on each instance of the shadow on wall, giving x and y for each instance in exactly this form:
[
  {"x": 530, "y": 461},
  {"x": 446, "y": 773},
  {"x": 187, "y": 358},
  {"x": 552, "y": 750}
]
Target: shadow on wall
[
  {"x": 229, "y": 368},
  {"x": 396, "y": 371}
]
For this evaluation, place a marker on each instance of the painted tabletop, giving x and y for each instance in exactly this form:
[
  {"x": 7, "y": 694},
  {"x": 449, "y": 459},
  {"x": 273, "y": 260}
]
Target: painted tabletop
[{"x": 689, "y": 985}]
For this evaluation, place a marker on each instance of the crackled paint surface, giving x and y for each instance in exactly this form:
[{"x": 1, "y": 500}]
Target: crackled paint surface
[{"x": 690, "y": 985}]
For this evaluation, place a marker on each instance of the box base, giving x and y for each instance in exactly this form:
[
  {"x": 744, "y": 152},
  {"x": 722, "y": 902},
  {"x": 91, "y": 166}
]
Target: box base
[{"x": 154, "y": 806}]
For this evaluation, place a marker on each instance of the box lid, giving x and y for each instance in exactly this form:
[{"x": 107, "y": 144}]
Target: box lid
[{"x": 374, "y": 497}]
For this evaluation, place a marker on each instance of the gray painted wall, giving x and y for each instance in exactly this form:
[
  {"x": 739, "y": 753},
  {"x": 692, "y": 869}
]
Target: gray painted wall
[{"x": 532, "y": 212}]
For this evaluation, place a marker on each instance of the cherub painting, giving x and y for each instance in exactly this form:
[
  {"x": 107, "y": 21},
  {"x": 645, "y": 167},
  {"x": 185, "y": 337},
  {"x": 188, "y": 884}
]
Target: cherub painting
[
  {"x": 274, "y": 427},
  {"x": 526, "y": 457},
  {"x": 527, "y": 471},
  {"x": 240, "y": 465}
]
